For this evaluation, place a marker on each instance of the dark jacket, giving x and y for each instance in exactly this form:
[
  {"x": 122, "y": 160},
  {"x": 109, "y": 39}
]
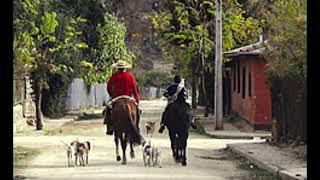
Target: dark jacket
[{"x": 171, "y": 90}]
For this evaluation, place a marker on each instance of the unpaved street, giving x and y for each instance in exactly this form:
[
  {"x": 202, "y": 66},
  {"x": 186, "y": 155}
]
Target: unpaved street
[{"x": 206, "y": 157}]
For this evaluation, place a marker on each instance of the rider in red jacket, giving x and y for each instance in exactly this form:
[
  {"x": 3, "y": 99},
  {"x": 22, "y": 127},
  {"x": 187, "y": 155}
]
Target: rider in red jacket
[{"x": 121, "y": 83}]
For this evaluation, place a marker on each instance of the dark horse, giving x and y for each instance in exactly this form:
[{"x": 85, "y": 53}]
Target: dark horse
[
  {"x": 124, "y": 116},
  {"x": 178, "y": 119}
]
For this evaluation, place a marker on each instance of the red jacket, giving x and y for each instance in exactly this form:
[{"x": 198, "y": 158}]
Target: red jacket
[{"x": 122, "y": 83}]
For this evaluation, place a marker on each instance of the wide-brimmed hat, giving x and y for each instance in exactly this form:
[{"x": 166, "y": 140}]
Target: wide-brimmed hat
[{"x": 121, "y": 65}]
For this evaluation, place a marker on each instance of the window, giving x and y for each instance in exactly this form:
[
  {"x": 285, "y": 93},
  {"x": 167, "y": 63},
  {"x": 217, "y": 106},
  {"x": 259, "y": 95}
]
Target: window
[
  {"x": 249, "y": 88},
  {"x": 238, "y": 74},
  {"x": 243, "y": 82}
]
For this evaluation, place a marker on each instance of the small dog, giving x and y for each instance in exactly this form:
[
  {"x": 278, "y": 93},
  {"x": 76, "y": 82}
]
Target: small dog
[
  {"x": 82, "y": 151},
  {"x": 79, "y": 151},
  {"x": 150, "y": 153},
  {"x": 150, "y": 128},
  {"x": 71, "y": 150}
]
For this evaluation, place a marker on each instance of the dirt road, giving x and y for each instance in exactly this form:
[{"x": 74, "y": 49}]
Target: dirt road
[{"x": 206, "y": 157}]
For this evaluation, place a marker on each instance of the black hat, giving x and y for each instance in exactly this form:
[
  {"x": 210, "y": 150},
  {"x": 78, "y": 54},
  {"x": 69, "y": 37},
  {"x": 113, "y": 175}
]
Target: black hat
[{"x": 177, "y": 79}]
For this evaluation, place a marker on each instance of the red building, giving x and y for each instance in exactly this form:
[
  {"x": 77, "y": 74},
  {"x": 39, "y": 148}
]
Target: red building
[{"x": 250, "y": 93}]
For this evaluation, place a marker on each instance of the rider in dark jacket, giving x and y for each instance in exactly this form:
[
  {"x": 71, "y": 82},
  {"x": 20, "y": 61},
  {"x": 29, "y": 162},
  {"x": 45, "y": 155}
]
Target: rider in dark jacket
[{"x": 169, "y": 93}]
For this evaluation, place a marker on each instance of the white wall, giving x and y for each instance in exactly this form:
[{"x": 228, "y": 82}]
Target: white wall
[{"x": 80, "y": 97}]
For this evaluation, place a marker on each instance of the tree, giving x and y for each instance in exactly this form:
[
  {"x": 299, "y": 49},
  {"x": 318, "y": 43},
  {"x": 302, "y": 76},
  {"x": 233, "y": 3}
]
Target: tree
[
  {"x": 286, "y": 54},
  {"x": 287, "y": 47},
  {"x": 185, "y": 32},
  {"x": 111, "y": 47},
  {"x": 42, "y": 43}
]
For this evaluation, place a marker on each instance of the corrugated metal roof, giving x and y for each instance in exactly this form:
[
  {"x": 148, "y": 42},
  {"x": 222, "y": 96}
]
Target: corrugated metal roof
[{"x": 252, "y": 49}]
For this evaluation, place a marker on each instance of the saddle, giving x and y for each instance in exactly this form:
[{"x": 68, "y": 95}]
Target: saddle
[{"x": 111, "y": 101}]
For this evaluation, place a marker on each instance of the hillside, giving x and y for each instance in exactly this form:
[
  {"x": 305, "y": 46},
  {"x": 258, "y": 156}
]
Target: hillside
[{"x": 139, "y": 37}]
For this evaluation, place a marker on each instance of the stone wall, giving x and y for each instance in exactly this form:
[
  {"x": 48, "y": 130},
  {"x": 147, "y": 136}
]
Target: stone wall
[
  {"x": 18, "y": 119},
  {"x": 26, "y": 109},
  {"x": 29, "y": 105}
]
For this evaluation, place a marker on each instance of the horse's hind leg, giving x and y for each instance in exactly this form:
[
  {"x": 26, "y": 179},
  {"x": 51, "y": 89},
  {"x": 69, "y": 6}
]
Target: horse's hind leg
[
  {"x": 184, "y": 148},
  {"x": 132, "y": 155},
  {"x": 116, "y": 141},
  {"x": 124, "y": 147},
  {"x": 173, "y": 143}
]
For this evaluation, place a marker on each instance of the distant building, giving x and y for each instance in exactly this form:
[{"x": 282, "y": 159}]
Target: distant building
[{"x": 249, "y": 90}]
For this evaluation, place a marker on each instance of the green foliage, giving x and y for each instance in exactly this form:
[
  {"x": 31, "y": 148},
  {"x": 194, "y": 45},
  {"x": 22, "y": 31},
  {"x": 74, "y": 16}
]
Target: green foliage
[
  {"x": 287, "y": 48},
  {"x": 200, "y": 126},
  {"x": 185, "y": 30},
  {"x": 65, "y": 39},
  {"x": 54, "y": 99},
  {"x": 21, "y": 154},
  {"x": 112, "y": 47},
  {"x": 153, "y": 78},
  {"x": 238, "y": 30},
  {"x": 45, "y": 43}
]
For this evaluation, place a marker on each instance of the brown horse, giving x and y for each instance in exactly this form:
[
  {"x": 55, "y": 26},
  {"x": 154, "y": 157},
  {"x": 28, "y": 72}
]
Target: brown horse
[{"x": 124, "y": 116}]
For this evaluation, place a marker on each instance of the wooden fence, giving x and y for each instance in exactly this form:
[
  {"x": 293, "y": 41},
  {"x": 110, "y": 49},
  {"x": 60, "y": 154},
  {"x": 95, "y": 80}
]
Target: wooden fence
[{"x": 289, "y": 109}]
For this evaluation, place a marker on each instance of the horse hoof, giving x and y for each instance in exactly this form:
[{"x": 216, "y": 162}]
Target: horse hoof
[
  {"x": 123, "y": 163},
  {"x": 184, "y": 163},
  {"x": 132, "y": 155},
  {"x": 118, "y": 158},
  {"x": 178, "y": 159}
]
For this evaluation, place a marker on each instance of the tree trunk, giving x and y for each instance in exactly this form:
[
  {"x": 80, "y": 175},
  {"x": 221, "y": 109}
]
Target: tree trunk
[
  {"x": 158, "y": 94},
  {"x": 39, "y": 119},
  {"x": 203, "y": 88},
  {"x": 194, "y": 85}
]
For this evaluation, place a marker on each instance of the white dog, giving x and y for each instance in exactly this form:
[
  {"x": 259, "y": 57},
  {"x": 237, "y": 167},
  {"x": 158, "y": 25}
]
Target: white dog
[{"x": 71, "y": 150}]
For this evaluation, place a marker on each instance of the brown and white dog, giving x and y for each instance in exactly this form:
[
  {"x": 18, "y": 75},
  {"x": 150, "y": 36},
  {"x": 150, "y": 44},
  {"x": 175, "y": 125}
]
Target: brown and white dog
[
  {"x": 82, "y": 152},
  {"x": 78, "y": 150},
  {"x": 150, "y": 153},
  {"x": 150, "y": 128}
]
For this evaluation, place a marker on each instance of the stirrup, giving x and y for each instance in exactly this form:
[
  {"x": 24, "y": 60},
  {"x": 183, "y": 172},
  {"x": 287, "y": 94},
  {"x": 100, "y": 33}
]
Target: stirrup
[
  {"x": 193, "y": 125},
  {"x": 110, "y": 132},
  {"x": 161, "y": 129}
]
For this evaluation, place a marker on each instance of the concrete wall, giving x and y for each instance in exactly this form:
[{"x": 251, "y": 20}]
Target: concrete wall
[
  {"x": 80, "y": 96},
  {"x": 150, "y": 92}
]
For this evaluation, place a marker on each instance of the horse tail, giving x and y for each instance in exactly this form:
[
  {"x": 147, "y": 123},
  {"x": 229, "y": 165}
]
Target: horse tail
[{"x": 134, "y": 132}]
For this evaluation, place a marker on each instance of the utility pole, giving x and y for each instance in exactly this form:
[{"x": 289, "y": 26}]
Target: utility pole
[{"x": 218, "y": 111}]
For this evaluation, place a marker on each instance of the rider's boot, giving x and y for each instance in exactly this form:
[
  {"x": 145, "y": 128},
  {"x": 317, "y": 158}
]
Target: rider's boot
[
  {"x": 139, "y": 111},
  {"x": 193, "y": 125},
  {"x": 109, "y": 122},
  {"x": 162, "y": 126}
]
